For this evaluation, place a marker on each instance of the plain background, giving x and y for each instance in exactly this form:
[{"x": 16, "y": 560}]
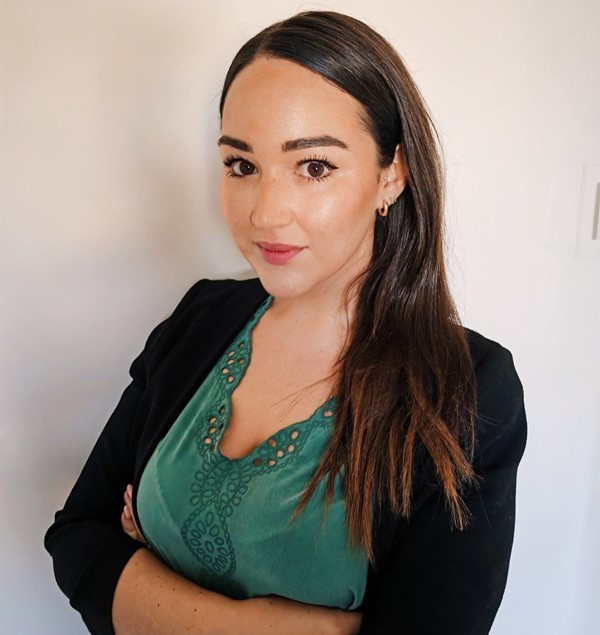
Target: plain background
[{"x": 110, "y": 211}]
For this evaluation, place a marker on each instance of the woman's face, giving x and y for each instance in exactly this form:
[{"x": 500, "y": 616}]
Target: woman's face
[{"x": 299, "y": 170}]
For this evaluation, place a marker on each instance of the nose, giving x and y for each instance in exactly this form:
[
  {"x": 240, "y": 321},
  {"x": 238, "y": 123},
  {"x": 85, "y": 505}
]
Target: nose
[{"x": 272, "y": 205}]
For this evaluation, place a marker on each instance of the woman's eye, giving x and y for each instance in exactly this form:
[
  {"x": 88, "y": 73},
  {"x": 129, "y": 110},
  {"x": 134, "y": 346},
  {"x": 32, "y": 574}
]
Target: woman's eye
[
  {"x": 316, "y": 170},
  {"x": 311, "y": 169},
  {"x": 239, "y": 167}
]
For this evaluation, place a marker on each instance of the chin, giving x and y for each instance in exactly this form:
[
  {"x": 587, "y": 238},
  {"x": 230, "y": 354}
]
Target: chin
[{"x": 282, "y": 284}]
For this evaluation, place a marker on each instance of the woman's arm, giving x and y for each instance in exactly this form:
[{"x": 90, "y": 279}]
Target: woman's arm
[
  {"x": 172, "y": 603},
  {"x": 442, "y": 580},
  {"x": 152, "y": 599}
]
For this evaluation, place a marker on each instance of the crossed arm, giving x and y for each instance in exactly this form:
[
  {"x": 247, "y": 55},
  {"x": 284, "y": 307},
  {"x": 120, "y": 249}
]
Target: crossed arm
[{"x": 151, "y": 598}]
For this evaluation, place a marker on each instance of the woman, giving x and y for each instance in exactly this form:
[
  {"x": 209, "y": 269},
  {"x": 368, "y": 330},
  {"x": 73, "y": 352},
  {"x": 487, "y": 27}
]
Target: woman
[{"x": 323, "y": 448}]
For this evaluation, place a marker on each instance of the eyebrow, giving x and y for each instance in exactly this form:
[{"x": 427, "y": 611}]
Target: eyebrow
[{"x": 287, "y": 146}]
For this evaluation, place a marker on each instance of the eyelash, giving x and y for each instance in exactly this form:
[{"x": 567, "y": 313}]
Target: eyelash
[{"x": 230, "y": 160}]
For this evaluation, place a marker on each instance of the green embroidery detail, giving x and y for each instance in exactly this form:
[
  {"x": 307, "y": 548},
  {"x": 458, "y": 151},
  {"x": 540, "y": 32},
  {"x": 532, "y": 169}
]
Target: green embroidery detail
[{"x": 221, "y": 482}]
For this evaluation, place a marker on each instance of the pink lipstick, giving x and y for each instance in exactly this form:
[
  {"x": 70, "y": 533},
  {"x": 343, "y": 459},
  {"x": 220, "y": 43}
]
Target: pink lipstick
[{"x": 278, "y": 253}]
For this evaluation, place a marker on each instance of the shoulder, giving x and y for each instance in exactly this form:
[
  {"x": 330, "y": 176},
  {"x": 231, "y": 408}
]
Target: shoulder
[
  {"x": 215, "y": 305},
  {"x": 500, "y": 396},
  {"x": 207, "y": 295},
  {"x": 210, "y": 292},
  {"x": 493, "y": 363}
]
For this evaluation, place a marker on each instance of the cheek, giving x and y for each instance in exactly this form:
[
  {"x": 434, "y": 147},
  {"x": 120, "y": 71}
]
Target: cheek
[
  {"x": 233, "y": 203},
  {"x": 345, "y": 214},
  {"x": 227, "y": 194}
]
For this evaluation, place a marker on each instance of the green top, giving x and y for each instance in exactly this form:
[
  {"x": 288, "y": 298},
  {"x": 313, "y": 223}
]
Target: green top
[{"x": 224, "y": 523}]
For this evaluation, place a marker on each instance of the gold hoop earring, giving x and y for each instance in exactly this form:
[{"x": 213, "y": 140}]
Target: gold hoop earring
[{"x": 383, "y": 211}]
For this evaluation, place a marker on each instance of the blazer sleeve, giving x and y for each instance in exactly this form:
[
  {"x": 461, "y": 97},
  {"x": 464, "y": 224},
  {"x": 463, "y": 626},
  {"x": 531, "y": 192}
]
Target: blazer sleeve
[
  {"x": 439, "y": 580},
  {"x": 88, "y": 546}
]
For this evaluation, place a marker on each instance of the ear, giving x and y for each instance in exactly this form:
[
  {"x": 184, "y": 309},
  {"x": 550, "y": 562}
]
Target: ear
[{"x": 394, "y": 176}]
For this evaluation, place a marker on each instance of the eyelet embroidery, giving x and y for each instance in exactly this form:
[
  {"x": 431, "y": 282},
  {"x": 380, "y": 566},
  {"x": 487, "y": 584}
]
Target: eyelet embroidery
[
  {"x": 277, "y": 449},
  {"x": 220, "y": 483}
]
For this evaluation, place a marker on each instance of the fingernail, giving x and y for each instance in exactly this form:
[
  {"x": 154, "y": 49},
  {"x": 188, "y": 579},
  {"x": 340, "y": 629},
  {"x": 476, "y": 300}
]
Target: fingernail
[{"x": 130, "y": 490}]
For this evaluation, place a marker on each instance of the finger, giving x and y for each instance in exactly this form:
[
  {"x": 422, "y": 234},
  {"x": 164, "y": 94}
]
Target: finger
[
  {"x": 128, "y": 510},
  {"x": 137, "y": 529},
  {"x": 127, "y": 518},
  {"x": 128, "y": 527}
]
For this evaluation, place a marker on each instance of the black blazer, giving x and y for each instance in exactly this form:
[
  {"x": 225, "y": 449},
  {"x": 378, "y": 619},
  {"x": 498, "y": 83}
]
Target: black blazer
[{"x": 427, "y": 578}]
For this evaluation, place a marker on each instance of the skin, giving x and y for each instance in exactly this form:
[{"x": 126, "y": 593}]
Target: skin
[{"x": 324, "y": 199}]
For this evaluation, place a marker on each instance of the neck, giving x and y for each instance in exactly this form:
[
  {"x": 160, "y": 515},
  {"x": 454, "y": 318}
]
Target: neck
[{"x": 317, "y": 312}]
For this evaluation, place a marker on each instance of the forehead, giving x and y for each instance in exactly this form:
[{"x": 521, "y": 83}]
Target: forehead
[{"x": 278, "y": 99}]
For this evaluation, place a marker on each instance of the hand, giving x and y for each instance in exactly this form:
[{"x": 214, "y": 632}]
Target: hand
[{"x": 127, "y": 520}]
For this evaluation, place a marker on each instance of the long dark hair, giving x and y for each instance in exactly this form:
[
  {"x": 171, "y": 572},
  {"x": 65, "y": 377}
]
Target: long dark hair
[{"x": 404, "y": 381}]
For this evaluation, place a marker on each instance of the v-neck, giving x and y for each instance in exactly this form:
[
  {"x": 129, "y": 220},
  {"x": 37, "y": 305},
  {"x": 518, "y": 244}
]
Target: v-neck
[{"x": 230, "y": 369}]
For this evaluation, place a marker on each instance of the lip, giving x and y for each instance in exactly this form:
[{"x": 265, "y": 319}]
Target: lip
[
  {"x": 277, "y": 246},
  {"x": 278, "y": 253}
]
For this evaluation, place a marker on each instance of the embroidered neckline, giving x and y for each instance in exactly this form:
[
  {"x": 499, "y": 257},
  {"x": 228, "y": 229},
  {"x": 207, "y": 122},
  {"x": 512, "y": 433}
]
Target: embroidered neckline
[{"x": 277, "y": 449}]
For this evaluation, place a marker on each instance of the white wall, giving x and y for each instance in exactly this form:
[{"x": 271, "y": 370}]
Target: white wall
[{"x": 110, "y": 212}]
